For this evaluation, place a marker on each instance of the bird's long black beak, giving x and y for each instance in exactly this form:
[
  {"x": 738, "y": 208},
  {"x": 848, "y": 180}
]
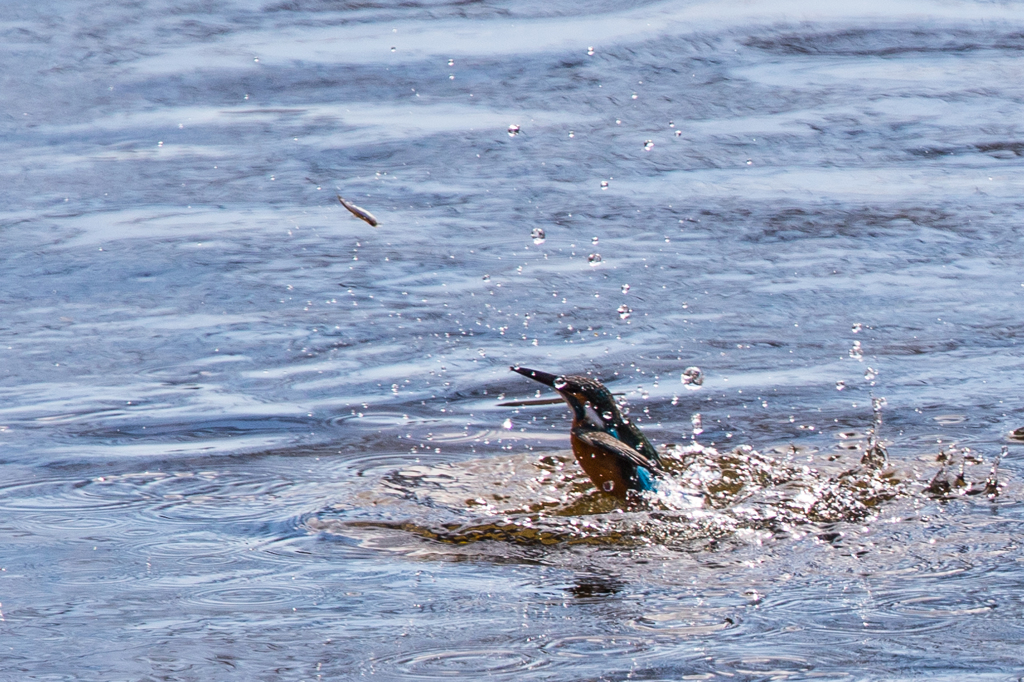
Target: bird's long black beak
[{"x": 537, "y": 375}]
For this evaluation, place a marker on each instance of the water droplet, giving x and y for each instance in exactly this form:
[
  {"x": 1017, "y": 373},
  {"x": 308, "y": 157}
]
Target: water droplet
[
  {"x": 559, "y": 383},
  {"x": 451, "y": 62},
  {"x": 538, "y": 235},
  {"x": 604, "y": 183},
  {"x": 625, "y": 288},
  {"x": 594, "y": 259},
  {"x": 671, "y": 124},
  {"x": 648, "y": 145},
  {"x": 870, "y": 375},
  {"x": 856, "y": 352},
  {"x": 256, "y": 59},
  {"x": 624, "y": 311},
  {"x": 451, "y": 77},
  {"x": 692, "y": 378},
  {"x": 750, "y": 162},
  {"x": 590, "y": 51},
  {"x": 608, "y": 486},
  {"x": 679, "y": 133},
  {"x": 618, "y": 121},
  {"x": 857, "y": 327},
  {"x": 607, "y": 415},
  {"x": 487, "y": 278},
  {"x": 594, "y": 240},
  {"x": 840, "y": 385},
  {"x": 513, "y": 130},
  {"x": 572, "y": 133},
  {"x": 482, "y": 353},
  {"x": 635, "y": 95},
  {"x": 393, "y": 49},
  {"x": 698, "y": 427},
  {"x": 507, "y": 424},
  {"x": 675, "y": 400},
  {"x": 394, "y": 388}
]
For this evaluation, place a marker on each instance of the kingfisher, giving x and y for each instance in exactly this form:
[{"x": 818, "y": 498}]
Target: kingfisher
[{"x": 611, "y": 449}]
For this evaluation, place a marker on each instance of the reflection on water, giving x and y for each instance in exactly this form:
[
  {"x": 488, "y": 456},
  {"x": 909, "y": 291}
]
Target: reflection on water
[{"x": 245, "y": 434}]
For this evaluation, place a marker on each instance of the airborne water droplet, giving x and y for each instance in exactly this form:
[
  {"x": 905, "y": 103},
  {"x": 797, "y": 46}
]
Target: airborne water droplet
[
  {"x": 594, "y": 240},
  {"x": 856, "y": 352},
  {"x": 698, "y": 427},
  {"x": 507, "y": 424},
  {"x": 648, "y": 145},
  {"x": 625, "y": 288},
  {"x": 594, "y": 259},
  {"x": 624, "y": 311},
  {"x": 840, "y": 385},
  {"x": 679, "y": 133},
  {"x": 692, "y": 378},
  {"x": 604, "y": 184},
  {"x": 590, "y": 51},
  {"x": 513, "y": 130},
  {"x": 451, "y": 62},
  {"x": 538, "y": 235}
]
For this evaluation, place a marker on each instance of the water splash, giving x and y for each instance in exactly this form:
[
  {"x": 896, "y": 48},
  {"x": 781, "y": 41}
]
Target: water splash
[{"x": 875, "y": 455}]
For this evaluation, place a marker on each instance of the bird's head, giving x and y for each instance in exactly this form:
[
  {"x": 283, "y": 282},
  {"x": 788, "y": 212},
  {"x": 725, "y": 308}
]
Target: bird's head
[{"x": 589, "y": 400}]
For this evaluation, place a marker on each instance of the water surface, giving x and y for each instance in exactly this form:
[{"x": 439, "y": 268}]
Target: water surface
[{"x": 245, "y": 435}]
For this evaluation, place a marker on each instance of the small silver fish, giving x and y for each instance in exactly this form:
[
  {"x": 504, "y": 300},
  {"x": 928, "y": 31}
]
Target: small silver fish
[{"x": 360, "y": 213}]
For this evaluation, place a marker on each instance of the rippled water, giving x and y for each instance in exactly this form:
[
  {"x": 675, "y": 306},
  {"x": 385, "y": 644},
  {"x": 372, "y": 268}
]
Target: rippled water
[{"x": 246, "y": 435}]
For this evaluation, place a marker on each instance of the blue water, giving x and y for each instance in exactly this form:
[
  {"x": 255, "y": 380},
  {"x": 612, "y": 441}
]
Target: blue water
[{"x": 245, "y": 435}]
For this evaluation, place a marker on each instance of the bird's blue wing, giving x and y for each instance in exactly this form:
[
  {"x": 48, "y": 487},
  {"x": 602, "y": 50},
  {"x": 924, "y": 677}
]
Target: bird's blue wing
[{"x": 615, "y": 447}]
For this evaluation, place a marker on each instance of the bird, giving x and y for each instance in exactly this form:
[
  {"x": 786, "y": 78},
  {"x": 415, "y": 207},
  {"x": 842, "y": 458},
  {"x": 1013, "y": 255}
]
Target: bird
[{"x": 612, "y": 450}]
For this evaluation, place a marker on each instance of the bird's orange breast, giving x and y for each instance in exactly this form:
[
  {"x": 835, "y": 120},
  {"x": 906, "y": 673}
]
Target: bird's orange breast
[{"x": 604, "y": 470}]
